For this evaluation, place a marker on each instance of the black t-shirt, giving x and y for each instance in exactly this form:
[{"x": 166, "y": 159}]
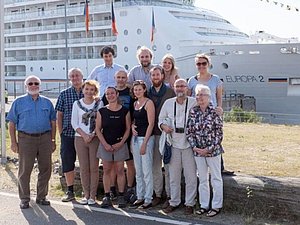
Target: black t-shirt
[
  {"x": 113, "y": 124},
  {"x": 125, "y": 98}
]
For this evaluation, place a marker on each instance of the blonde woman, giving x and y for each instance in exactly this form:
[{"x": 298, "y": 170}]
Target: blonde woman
[
  {"x": 169, "y": 70},
  {"x": 83, "y": 121}
]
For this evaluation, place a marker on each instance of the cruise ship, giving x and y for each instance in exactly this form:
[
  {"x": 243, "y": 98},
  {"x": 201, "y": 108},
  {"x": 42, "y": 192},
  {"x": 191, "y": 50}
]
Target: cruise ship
[{"x": 36, "y": 43}]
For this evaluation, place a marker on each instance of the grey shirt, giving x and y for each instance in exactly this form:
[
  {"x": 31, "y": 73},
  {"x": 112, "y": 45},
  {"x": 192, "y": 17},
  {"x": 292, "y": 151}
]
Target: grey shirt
[{"x": 138, "y": 73}]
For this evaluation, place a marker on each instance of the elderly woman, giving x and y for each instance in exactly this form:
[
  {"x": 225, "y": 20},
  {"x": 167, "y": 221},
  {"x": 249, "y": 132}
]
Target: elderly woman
[{"x": 204, "y": 133}]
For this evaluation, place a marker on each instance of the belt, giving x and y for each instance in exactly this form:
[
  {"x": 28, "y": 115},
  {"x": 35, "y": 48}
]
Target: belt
[{"x": 35, "y": 134}]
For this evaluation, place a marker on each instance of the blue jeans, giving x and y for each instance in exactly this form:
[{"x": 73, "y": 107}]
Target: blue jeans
[{"x": 143, "y": 167}]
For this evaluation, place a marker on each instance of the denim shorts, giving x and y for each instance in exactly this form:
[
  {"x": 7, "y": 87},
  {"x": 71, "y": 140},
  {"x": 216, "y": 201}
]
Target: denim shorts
[{"x": 67, "y": 153}]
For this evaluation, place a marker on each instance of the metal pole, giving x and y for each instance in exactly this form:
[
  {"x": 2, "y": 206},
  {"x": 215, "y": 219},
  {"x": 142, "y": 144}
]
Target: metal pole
[
  {"x": 66, "y": 45},
  {"x": 2, "y": 85}
]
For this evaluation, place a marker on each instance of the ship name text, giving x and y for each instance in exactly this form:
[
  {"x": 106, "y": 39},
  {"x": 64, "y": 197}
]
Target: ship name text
[{"x": 244, "y": 79}]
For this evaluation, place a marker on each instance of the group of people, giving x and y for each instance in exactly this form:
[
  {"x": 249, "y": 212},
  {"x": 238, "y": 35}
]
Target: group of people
[{"x": 119, "y": 117}]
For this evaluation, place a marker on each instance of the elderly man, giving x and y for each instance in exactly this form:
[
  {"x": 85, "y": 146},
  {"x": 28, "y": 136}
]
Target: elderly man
[
  {"x": 105, "y": 73},
  {"x": 159, "y": 93},
  {"x": 176, "y": 110},
  {"x": 67, "y": 135},
  {"x": 142, "y": 71},
  {"x": 33, "y": 116}
]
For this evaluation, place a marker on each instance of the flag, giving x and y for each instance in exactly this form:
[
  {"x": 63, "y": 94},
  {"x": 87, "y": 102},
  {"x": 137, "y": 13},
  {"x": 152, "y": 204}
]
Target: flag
[
  {"x": 113, "y": 21},
  {"x": 87, "y": 16},
  {"x": 152, "y": 28}
]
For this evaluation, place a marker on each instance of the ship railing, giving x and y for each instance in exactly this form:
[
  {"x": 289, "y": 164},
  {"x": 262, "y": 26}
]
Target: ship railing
[
  {"x": 51, "y": 57},
  {"x": 56, "y": 27},
  {"x": 61, "y": 42}
]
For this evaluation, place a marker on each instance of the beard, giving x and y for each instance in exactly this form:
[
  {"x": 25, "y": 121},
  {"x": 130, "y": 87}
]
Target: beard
[
  {"x": 145, "y": 64},
  {"x": 33, "y": 92}
]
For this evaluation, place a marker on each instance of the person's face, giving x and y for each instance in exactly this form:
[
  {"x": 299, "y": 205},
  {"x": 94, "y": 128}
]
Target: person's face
[
  {"x": 180, "y": 88},
  {"x": 111, "y": 95},
  {"x": 121, "y": 79},
  {"x": 202, "y": 65},
  {"x": 145, "y": 58},
  {"x": 33, "y": 86},
  {"x": 108, "y": 58},
  {"x": 167, "y": 65},
  {"x": 76, "y": 78},
  {"x": 138, "y": 91},
  {"x": 89, "y": 90},
  {"x": 157, "y": 78},
  {"x": 202, "y": 98}
]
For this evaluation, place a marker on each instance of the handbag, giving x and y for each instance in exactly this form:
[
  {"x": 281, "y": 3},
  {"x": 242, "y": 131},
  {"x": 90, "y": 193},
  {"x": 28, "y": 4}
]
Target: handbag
[{"x": 167, "y": 153}]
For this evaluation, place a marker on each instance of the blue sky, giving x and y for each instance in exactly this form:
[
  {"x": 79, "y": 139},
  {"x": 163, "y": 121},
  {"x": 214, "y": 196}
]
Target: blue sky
[{"x": 253, "y": 15}]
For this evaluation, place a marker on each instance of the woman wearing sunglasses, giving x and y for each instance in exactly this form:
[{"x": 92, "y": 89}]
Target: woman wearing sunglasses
[{"x": 213, "y": 81}]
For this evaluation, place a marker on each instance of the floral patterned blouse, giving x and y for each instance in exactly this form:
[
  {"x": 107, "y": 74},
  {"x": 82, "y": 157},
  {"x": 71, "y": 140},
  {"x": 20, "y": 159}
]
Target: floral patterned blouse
[{"x": 205, "y": 130}]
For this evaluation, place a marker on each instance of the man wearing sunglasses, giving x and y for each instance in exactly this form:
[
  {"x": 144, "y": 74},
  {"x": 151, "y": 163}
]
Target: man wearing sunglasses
[{"x": 34, "y": 117}]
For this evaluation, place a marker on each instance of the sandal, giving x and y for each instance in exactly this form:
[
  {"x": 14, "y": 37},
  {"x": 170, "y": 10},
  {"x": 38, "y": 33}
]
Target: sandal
[
  {"x": 213, "y": 212},
  {"x": 201, "y": 211}
]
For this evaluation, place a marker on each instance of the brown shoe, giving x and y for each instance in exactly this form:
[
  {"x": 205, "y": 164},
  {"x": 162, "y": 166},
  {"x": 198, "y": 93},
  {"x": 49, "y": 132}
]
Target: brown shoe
[
  {"x": 170, "y": 209},
  {"x": 189, "y": 210},
  {"x": 156, "y": 201},
  {"x": 166, "y": 203}
]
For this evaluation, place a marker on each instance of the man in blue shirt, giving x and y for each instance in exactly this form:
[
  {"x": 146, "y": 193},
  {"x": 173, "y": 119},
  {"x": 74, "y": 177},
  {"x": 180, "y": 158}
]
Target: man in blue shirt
[
  {"x": 67, "y": 134},
  {"x": 33, "y": 116},
  {"x": 105, "y": 73}
]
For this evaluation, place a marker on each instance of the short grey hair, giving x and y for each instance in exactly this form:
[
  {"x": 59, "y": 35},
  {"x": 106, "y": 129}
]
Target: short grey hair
[
  {"x": 201, "y": 87},
  {"x": 30, "y": 77},
  {"x": 75, "y": 69}
]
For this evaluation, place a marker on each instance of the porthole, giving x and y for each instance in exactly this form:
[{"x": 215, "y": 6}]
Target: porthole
[
  {"x": 225, "y": 65},
  {"x": 126, "y": 67},
  {"x": 31, "y": 69},
  {"x": 125, "y": 49},
  {"x": 154, "y": 48},
  {"x": 138, "y": 31},
  {"x": 168, "y": 47},
  {"x": 41, "y": 69},
  {"x": 125, "y": 32}
]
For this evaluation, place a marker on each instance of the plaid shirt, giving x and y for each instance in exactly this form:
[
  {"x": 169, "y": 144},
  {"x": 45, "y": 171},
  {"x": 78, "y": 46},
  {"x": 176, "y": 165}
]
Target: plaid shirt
[
  {"x": 205, "y": 130},
  {"x": 64, "y": 104}
]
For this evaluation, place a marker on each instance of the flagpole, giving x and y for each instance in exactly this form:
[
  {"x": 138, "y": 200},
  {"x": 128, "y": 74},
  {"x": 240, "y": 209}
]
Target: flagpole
[
  {"x": 2, "y": 88},
  {"x": 66, "y": 46},
  {"x": 86, "y": 54}
]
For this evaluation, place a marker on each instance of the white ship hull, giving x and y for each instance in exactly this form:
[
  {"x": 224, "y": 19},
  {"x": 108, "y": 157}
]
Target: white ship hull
[{"x": 35, "y": 44}]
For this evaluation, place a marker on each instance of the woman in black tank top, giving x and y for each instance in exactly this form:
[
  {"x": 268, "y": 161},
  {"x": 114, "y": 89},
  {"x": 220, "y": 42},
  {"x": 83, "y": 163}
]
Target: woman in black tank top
[
  {"x": 143, "y": 144},
  {"x": 113, "y": 128}
]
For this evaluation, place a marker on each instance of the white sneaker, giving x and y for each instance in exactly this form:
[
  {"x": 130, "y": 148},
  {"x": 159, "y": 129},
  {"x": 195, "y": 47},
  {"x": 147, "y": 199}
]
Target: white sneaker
[
  {"x": 91, "y": 202},
  {"x": 83, "y": 201}
]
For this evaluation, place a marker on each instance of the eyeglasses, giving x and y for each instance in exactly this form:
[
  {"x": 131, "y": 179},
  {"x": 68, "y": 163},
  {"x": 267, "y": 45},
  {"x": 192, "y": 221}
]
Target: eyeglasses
[
  {"x": 201, "y": 64},
  {"x": 33, "y": 83},
  {"x": 180, "y": 86},
  {"x": 202, "y": 95}
]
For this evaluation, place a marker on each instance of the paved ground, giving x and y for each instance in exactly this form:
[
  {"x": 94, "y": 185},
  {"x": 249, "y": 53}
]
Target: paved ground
[{"x": 72, "y": 213}]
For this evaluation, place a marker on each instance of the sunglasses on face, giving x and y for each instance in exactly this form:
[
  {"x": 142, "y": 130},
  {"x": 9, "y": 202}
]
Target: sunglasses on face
[
  {"x": 33, "y": 83},
  {"x": 201, "y": 64}
]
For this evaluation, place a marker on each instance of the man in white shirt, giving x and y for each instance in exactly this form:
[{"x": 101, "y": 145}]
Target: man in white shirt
[
  {"x": 105, "y": 73},
  {"x": 177, "y": 109}
]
